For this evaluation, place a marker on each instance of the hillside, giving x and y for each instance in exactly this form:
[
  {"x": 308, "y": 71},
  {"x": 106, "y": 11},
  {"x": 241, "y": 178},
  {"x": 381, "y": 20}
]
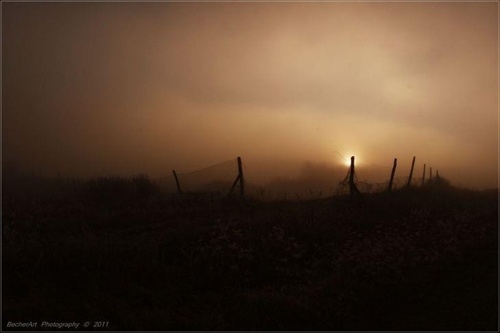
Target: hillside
[{"x": 418, "y": 259}]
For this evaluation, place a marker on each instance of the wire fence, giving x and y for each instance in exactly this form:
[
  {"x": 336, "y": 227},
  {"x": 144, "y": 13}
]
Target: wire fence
[
  {"x": 215, "y": 178},
  {"x": 222, "y": 177}
]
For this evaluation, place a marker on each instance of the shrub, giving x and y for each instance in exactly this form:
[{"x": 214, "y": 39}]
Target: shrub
[{"x": 114, "y": 191}]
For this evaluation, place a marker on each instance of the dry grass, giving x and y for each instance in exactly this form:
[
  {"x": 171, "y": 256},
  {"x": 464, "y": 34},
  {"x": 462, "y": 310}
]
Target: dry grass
[{"x": 421, "y": 259}]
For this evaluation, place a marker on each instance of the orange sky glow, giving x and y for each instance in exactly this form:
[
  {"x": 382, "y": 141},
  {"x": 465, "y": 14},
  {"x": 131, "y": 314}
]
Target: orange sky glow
[{"x": 125, "y": 88}]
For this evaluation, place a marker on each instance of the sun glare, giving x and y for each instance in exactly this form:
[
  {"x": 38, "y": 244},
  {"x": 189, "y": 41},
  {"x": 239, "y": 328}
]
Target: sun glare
[{"x": 347, "y": 159}]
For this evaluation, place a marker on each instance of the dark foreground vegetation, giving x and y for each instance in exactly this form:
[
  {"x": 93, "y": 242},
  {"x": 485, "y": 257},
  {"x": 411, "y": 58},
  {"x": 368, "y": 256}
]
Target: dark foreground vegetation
[{"x": 122, "y": 252}]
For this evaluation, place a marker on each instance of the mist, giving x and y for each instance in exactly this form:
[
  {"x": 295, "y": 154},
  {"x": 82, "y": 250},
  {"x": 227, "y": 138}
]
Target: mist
[{"x": 93, "y": 89}]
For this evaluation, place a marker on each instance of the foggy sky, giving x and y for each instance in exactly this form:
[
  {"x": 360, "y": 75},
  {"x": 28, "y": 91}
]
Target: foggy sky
[{"x": 126, "y": 88}]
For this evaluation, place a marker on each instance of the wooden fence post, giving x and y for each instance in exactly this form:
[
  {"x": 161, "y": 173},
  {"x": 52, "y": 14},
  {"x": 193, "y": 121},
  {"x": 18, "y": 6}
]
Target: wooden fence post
[
  {"x": 240, "y": 176},
  {"x": 392, "y": 174},
  {"x": 423, "y": 177},
  {"x": 430, "y": 176},
  {"x": 353, "y": 189},
  {"x": 177, "y": 182},
  {"x": 411, "y": 172}
]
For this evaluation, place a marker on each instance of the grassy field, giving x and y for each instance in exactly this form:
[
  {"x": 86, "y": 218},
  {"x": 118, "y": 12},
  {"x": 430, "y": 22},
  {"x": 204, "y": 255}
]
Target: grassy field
[{"x": 419, "y": 259}]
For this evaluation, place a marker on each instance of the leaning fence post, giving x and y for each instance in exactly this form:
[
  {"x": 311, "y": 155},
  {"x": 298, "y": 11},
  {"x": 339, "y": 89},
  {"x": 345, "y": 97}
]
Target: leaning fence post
[
  {"x": 353, "y": 189},
  {"x": 351, "y": 177},
  {"x": 423, "y": 177},
  {"x": 240, "y": 176},
  {"x": 392, "y": 174},
  {"x": 177, "y": 182},
  {"x": 411, "y": 171}
]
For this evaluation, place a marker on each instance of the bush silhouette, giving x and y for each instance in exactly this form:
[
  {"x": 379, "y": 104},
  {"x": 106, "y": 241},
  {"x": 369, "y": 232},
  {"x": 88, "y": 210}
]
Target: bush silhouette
[{"x": 115, "y": 191}]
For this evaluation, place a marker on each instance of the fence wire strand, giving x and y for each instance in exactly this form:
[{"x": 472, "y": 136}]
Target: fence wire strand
[{"x": 207, "y": 168}]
